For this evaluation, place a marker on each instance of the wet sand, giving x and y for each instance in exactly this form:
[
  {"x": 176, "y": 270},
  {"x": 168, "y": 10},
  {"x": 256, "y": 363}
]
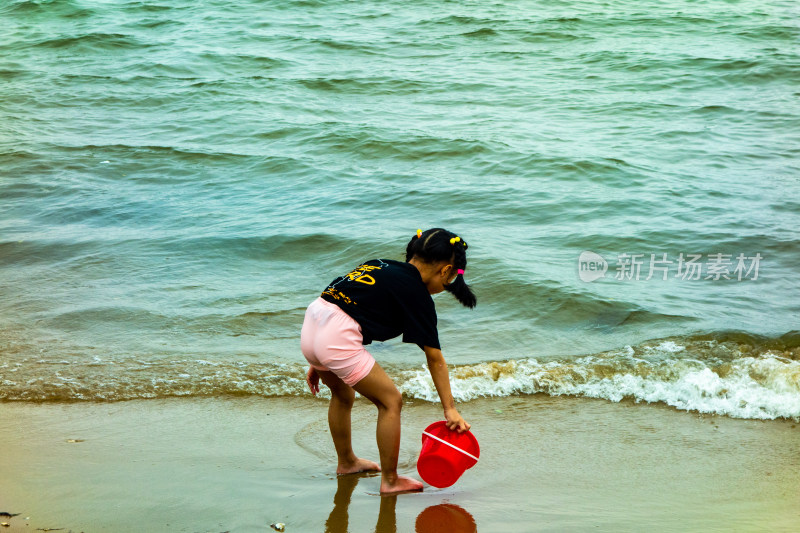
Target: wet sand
[{"x": 240, "y": 464}]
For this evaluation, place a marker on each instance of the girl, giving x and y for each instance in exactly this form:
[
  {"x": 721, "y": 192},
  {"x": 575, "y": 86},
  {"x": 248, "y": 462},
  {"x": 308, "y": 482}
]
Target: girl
[{"x": 380, "y": 300}]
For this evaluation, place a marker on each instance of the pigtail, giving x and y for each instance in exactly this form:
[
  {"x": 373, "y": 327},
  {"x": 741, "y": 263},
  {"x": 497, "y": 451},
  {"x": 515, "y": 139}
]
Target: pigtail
[
  {"x": 459, "y": 287},
  {"x": 462, "y": 292}
]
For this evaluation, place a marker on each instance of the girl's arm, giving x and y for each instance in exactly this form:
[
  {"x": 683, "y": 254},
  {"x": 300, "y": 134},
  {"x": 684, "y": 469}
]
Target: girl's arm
[{"x": 441, "y": 379}]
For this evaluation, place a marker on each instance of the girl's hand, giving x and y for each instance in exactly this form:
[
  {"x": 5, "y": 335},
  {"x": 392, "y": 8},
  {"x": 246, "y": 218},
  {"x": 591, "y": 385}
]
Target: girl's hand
[
  {"x": 312, "y": 378},
  {"x": 455, "y": 420}
]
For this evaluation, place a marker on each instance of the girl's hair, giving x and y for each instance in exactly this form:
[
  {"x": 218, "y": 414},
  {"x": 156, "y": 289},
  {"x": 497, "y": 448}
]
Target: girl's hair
[{"x": 438, "y": 244}]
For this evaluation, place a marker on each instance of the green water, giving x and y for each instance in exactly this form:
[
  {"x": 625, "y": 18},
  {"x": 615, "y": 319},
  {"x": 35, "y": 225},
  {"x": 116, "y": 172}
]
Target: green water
[{"x": 178, "y": 180}]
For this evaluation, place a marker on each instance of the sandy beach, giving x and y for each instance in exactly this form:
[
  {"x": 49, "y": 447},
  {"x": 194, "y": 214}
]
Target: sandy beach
[
  {"x": 180, "y": 180},
  {"x": 241, "y": 464}
]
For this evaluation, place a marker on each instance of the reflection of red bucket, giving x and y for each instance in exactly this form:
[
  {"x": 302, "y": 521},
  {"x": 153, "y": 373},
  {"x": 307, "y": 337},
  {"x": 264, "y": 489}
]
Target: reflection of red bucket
[
  {"x": 445, "y": 517},
  {"x": 446, "y": 454}
]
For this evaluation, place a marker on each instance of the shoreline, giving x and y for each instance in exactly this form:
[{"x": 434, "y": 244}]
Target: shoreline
[{"x": 240, "y": 464}]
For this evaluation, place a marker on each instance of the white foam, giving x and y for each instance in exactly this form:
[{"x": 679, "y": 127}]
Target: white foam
[
  {"x": 767, "y": 387},
  {"x": 670, "y": 347}
]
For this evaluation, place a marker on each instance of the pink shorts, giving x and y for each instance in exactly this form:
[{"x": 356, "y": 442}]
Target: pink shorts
[{"x": 331, "y": 340}]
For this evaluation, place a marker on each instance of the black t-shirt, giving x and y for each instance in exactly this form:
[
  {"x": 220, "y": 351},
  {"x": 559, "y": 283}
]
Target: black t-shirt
[{"x": 387, "y": 298}]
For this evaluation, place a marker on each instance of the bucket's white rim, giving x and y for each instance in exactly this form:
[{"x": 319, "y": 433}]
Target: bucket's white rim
[{"x": 451, "y": 445}]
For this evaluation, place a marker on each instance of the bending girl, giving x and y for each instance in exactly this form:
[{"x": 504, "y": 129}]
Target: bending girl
[{"x": 380, "y": 300}]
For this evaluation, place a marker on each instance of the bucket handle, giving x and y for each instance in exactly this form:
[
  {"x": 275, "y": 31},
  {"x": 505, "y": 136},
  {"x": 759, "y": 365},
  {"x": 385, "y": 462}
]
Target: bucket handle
[{"x": 452, "y": 446}]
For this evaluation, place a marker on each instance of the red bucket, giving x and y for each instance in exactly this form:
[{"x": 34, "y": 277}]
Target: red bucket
[{"x": 446, "y": 454}]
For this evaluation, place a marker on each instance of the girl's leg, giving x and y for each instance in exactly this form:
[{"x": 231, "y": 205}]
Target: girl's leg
[
  {"x": 342, "y": 396},
  {"x": 378, "y": 387}
]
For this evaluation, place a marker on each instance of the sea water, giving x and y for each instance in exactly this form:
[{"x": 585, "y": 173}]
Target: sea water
[{"x": 178, "y": 180}]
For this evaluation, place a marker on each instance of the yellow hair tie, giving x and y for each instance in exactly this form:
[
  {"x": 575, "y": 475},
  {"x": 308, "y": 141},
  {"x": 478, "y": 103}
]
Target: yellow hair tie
[
  {"x": 419, "y": 233},
  {"x": 455, "y": 240}
]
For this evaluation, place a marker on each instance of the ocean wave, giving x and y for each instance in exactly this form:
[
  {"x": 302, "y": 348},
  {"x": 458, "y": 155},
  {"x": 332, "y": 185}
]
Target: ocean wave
[
  {"x": 766, "y": 387},
  {"x": 93, "y": 41},
  {"x": 63, "y": 380},
  {"x": 132, "y": 150},
  {"x": 510, "y": 293},
  {"x": 411, "y": 146},
  {"x": 729, "y": 373},
  {"x": 47, "y": 8},
  {"x": 367, "y": 85},
  {"x": 483, "y": 32},
  {"x": 459, "y": 20}
]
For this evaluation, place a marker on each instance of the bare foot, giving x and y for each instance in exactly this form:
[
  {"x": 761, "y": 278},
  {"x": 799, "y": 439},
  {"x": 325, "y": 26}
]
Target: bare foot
[
  {"x": 359, "y": 465},
  {"x": 401, "y": 484}
]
